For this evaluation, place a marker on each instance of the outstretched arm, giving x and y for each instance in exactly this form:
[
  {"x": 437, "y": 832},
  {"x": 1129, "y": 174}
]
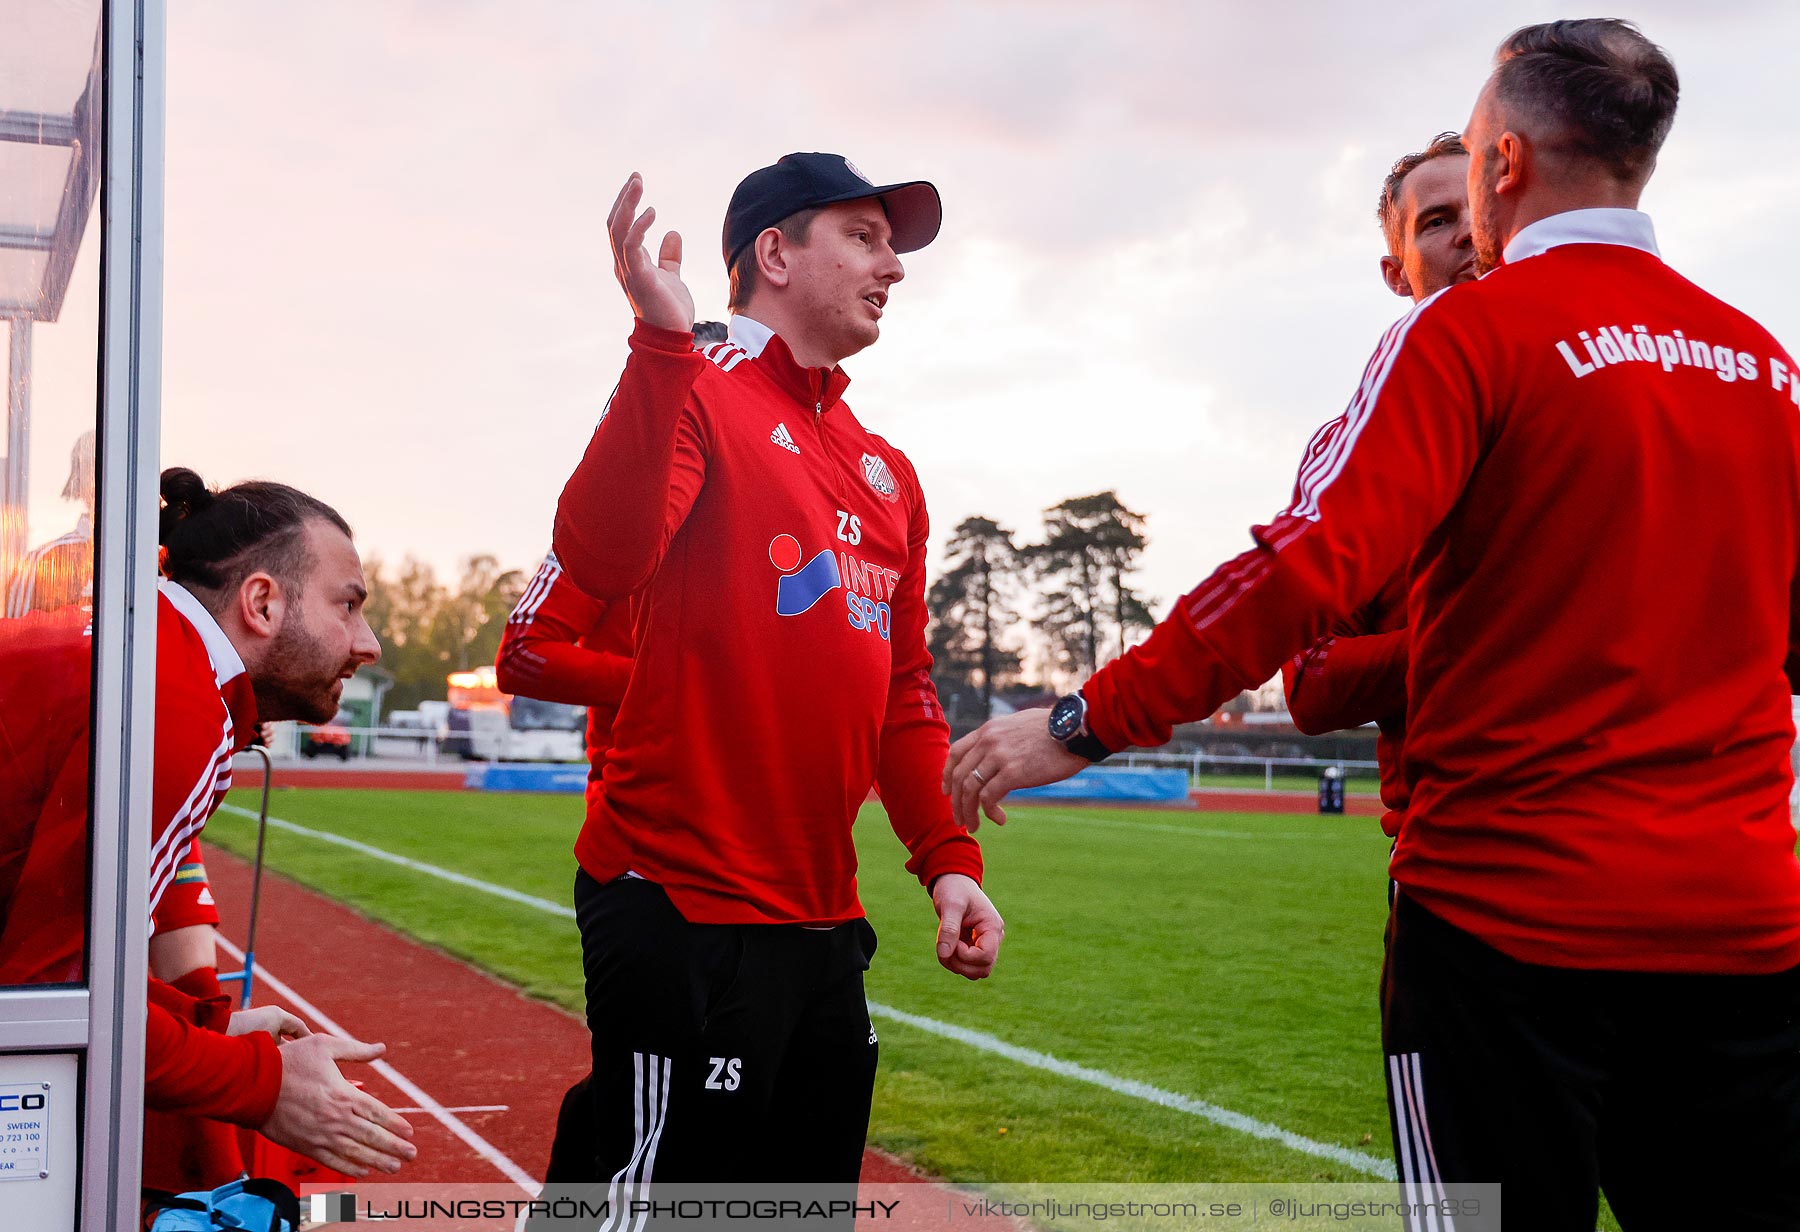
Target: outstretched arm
[
  {"x": 1373, "y": 484},
  {"x": 202, "y": 1060},
  {"x": 631, "y": 490},
  {"x": 541, "y": 652}
]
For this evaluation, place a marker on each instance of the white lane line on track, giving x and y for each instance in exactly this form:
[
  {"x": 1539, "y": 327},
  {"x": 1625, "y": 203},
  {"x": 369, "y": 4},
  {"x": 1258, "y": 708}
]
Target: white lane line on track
[
  {"x": 463, "y": 1108},
  {"x": 406, "y": 1086},
  {"x": 1369, "y": 1164}
]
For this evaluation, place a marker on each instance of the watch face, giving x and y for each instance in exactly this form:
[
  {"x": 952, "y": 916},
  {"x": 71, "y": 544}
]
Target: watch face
[{"x": 1065, "y": 719}]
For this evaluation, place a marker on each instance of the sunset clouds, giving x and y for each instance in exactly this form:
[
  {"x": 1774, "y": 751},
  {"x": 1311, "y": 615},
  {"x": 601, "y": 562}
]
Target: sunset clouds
[{"x": 1157, "y": 271}]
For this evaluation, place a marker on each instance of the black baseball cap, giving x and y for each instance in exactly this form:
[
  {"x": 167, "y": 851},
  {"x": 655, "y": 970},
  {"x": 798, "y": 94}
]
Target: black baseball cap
[{"x": 798, "y": 182}]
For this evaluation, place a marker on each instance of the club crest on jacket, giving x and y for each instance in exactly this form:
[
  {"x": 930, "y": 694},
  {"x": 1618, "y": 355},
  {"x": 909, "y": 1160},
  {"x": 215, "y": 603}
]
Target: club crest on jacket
[{"x": 879, "y": 476}]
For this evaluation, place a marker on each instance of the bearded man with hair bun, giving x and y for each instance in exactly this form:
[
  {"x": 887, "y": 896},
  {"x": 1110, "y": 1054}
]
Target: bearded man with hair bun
[{"x": 259, "y": 618}]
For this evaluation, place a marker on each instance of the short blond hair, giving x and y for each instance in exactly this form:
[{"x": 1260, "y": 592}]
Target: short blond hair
[{"x": 1387, "y": 210}]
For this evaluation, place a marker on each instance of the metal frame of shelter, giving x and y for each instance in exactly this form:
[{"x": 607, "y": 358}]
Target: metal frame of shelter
[
  {"x": 79, "y": 132},
  {"x": 116, "y": 138}
]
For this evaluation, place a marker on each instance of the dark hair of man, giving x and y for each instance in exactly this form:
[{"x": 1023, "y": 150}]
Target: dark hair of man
[
  {"x": 213, "y": 540},
  {"x": 708, "y": 332},
  {"x": 793, "y": 229},
  {"x": 1605, "y": 91},
  {"x": 1387, "y": 210}
]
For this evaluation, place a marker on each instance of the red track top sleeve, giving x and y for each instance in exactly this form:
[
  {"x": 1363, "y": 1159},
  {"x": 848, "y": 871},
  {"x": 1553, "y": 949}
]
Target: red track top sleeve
[
  {"x": 641, "y": 472},
  {"x": 192, "y": 1067},
  {"x": 915, "y": 739},
  {"x": 1373, "y": 482},
  {"x": 1346, "y": 680},
  {"x": 539, "y": 656},
  {"x": 188, "y": 902}
]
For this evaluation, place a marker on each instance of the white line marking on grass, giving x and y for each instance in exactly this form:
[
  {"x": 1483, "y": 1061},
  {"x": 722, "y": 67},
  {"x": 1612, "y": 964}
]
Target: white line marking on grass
[
  {"x": 486, "y": 887},
  {"x": 406, "y": 1086},
  {"x": 1369, "y": 1164}
]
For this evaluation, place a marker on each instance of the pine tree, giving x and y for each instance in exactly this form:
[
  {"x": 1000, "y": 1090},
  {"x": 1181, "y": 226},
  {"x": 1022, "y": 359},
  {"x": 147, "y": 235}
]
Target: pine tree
[
  {"x": 1082, "y": 568},
  {"x": 971, "y": 605}
]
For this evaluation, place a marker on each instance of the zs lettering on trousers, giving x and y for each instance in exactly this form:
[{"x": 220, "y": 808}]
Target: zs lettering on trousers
[{"x": 727, "y": 1074}]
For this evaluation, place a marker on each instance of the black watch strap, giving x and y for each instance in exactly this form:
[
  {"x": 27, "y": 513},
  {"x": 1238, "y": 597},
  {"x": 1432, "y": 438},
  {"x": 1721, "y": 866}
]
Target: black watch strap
[{"x": 1083, "y": 744}]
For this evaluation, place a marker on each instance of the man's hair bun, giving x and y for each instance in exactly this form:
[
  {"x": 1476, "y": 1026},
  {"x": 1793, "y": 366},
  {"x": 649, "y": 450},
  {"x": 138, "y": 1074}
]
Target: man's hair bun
[
  {"x": 213, "y": 540},
  {"x": 184, "y": 494}
]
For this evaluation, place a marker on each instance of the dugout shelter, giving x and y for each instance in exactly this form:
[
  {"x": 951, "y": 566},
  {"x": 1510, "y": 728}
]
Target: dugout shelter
[{"x": 81, "y": 165}]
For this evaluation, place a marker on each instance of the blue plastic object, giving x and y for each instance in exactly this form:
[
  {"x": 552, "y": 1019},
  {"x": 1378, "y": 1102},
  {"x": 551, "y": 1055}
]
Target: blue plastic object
[
  {"x": 1104, "y": 783},
  {"x": 245, "y": 1205}
]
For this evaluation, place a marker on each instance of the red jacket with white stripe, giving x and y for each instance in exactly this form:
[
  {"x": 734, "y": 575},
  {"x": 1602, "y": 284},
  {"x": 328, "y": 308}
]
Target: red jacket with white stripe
[
  {"x": 204, "y": 714},
  {"x": 183, "y": 1153},
  {"x": 1597, "y": 465},
  {"x": 561, "y": 646},
  {"x": 1357, "y": 675},
  {"x": 781, "y": 663}
]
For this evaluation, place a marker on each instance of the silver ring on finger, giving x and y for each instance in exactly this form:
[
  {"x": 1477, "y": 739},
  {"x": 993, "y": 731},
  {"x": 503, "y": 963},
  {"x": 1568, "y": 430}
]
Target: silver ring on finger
[{"x": 978, "y": 776}]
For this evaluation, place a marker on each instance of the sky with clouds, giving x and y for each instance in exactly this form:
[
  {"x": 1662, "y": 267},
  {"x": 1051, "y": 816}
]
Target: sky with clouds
[{"x": 388, "y": 283}]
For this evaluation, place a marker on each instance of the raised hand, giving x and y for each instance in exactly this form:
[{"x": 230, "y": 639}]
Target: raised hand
[{"x": 657, "y": 294}]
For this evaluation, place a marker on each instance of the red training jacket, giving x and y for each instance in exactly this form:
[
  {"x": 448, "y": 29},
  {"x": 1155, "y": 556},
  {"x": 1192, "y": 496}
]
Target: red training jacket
[
  {"x": 1357, "y": 675},
  {"x": 561, "y": 646},
  {"x": 204, "y": 714},
  {"x": 1597, "y": 465},
  {"x": 781, "y": 662},
  {"x": 183, "y": 1153}
]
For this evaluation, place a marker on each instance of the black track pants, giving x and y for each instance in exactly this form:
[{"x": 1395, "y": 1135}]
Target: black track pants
[
  {"x": 721, "y": 1052},
  {"x": 1679, "y": 1095}
]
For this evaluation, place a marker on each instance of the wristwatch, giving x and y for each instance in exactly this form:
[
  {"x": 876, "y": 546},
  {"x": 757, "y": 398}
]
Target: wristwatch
[{"x": 1068, "y": 727}]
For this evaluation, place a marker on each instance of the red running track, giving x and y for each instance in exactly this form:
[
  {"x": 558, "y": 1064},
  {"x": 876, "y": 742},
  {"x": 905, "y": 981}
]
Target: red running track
[
  {"x": 492, "y": 1062},
  {"x": 462, "y": 1036}
]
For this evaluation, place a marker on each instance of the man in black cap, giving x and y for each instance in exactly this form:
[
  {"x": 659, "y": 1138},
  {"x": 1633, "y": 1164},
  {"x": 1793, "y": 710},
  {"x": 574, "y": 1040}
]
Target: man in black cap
[{"x": 778, "y": 551}]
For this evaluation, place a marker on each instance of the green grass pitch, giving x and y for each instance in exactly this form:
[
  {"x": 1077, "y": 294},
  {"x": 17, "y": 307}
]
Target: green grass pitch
[{"x": 1228, "y": 957}]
